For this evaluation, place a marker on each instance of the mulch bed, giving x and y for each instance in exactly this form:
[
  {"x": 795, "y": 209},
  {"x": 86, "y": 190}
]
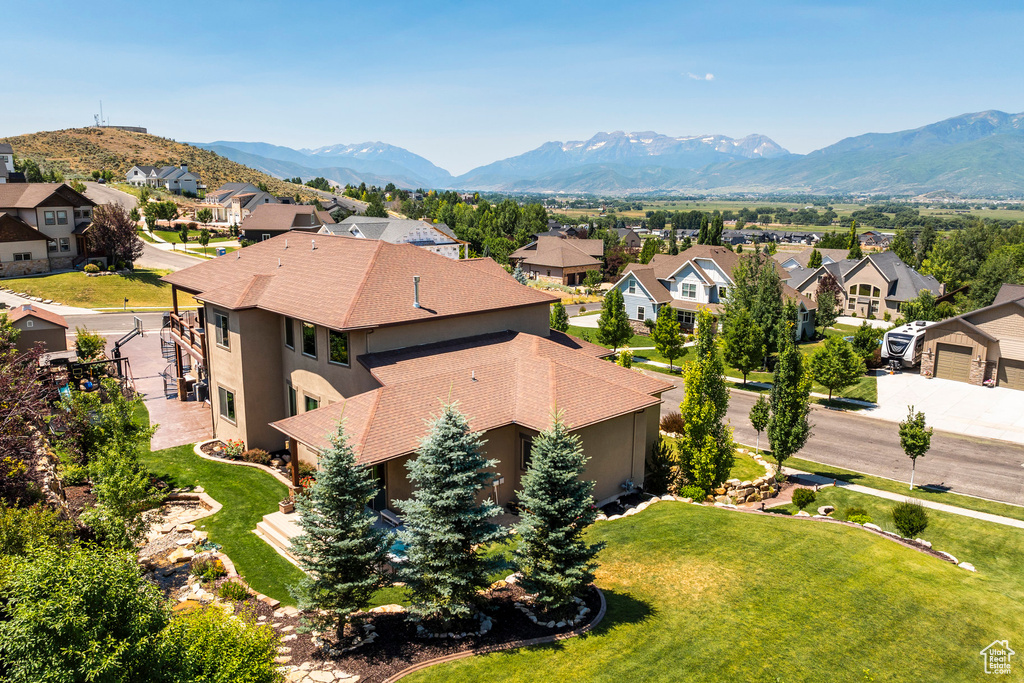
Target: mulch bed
[
  {"x": 625, "y": 502},
  {"x": 208, "y": 449},
  {"x": 79, "y": 499},
  {"x": 397, "y": 646}
]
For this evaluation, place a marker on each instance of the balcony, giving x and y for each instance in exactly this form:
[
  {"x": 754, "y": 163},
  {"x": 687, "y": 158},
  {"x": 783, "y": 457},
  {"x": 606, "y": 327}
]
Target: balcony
[{"x": 186, "y": 330}]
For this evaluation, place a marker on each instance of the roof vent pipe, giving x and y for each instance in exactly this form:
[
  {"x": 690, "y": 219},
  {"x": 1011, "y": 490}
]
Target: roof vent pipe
[
  {"x": 285, "y": 242},
  {"x": 416, "y": 291},
  {"x": 314, "y": 244},
  {"x": 278, "y": 263}
]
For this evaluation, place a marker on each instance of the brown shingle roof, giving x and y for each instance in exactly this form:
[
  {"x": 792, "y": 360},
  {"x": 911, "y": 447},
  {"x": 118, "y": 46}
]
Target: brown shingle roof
[
  {"x": 645, "y": 276},
  {"x": 30, "y": 311},
  {"x": 284, "y": 217},
  {"x": 497, "y": 379},
  {"x": 803, "y": 256},
  {"x": 555, "y": 252},
  {"x": 31, "y": 195},
  {"x": 13, "y": 229},
  {"x": 348, "y": 283},
  {"x": 1007, "y": 293}
]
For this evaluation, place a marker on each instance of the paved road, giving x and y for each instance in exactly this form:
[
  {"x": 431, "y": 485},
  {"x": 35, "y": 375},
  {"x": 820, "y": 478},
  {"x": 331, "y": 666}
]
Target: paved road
[
  {"x": 104, "y": 194},
  {"x": 975, "y": 466},
  {"x": 153, "y": 257}
]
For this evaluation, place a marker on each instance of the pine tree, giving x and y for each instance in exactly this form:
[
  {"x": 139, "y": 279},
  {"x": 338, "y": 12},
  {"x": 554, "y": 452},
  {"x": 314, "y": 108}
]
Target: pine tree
[
  {"x": 559, "y": 318},
  {"x": 717, "y": 228},
  {"x": 341, "y": 552},
  {"x": 673, "y": 246},
  {"x": 665, "y": 335},
  {"x": 703, "y": 236},
  {"x": 835, "y": 365},
  {"x": 662, "y": 471},
  {"x": 855, "y": 250},
  {"x": 759, "y": 414},
  {"x": 519, "y": 275},
  {"x": 444, "y": 522},
  {"x": 706, "y": 449},
  {"x": 613, "y": 328},
  {"x": 743, "y": 343},
  {"x": 556, "y": 562},
  {"x": 814, "y": 260},
  {"x": 788, "y": 428}
]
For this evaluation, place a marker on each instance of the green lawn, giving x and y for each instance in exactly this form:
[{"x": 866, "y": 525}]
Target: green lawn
[
  {"x": 193, "y": 237},
  {"x": 745, "y": 468},
  {"x": 142, "y": 288},
  {"x": 704, "y": 594}
]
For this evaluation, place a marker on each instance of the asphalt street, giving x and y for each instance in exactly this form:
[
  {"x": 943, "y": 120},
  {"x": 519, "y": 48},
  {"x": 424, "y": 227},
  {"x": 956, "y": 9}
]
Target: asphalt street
[{"x": 964, "y": 464}]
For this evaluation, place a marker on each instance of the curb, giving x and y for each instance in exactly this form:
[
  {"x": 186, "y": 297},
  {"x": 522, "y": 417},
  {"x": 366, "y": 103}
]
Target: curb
[
  {"x": 197, "y": 449},
  {"x": 506, "y": 646}
]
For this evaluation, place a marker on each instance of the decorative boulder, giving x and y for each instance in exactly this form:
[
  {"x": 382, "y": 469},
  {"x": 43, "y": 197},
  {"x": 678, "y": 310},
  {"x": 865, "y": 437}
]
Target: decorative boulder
[{"x": 826, "y": 510}]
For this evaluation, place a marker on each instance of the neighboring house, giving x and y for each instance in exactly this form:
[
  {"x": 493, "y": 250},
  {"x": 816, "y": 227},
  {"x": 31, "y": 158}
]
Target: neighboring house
[
  {"x": 561, "y": 260},
  {"x": 37, "y": 325},
  {"x": 56, "y": 211},
  {"x": 435, "y": 237},
  {"x": 6, "y": 161},
  {"x": 176, "y": 179},
  {"x": 872, "y": 239},
  {"x": 791, "y": 260},
  {"x": 271, "y": 220},
  {"x": 983, "y": 345},
  {"x": 232, "y": 202},
  {"x": 381, "y": 335},
  {"x": 875, "y": 285},
  {"x": 628, "y": 238},
  {"x": 346, "y": 204},
  {"x": 23, "y": 249},
  {"x": 697, "y": 278}
]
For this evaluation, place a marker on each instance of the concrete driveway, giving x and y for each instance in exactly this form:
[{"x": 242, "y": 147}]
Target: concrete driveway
[{"x": 956, "y": 407}]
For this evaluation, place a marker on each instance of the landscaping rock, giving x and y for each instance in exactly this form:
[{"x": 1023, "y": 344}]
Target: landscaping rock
[
  {"x": 949, "y": 557},
  {"x": 181, "y": 555},
  {"x": 200, "y": 536},
  {"x": 668, "y": 496},
  {"x": 685, "y": 500},
  {"x": 869, "y": 525},
  {"x": 185, "y": 527},
  {"x": 968, "y": 566},
  {"x": 826, "y": 510},
  {"x": 754, "y": 497},
  {"x": 802, "y": 513},
  {"x": 923, "y": 542}
]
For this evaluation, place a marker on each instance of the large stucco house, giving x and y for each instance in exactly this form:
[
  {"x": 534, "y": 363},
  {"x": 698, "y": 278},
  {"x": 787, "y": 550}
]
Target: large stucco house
[
  {"x": 435, "y": 237},
  {"x": 699, "y": 277},
  {"x": 983, "y": 345},
  {"x": 871, "y": 286},
  {"x": 565, "y": 261},
  {"x": 233, "y": 202},
  {"x": 43, "y": 227},
  {"x": 300, "y": 331},
  {"x": 176, "y": 179}
]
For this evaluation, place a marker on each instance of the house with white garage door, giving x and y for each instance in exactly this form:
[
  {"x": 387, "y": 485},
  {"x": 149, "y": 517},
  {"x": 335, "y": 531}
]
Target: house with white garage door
[{"x": 983, "y": 346}]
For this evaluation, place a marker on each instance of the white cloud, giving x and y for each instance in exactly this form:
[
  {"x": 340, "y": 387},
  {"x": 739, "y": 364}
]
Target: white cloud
[{"x": 698, "y": 77}]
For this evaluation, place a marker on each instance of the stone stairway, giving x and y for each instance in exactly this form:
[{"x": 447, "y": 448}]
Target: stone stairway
[{"x": 277, "y": 529}]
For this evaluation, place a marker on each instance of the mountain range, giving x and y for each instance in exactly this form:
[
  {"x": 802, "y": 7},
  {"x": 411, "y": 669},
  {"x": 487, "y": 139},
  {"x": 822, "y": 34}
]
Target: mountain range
[{"x": 979, "y": 154}]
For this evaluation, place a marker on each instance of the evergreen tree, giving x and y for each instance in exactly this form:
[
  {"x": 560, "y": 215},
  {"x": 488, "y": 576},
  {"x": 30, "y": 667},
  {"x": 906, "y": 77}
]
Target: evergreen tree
[
  {"x": 759, "y": 414},
  {"x": 706, "y": 449},
  {"x": 855, "y": 250},
  {"x": 814, "y": 261},
  {"x": 662, "y": 473},
  {"x": 673, "y": 246},
  {"x": 835, "y": 365},
  {"x": 519, "y": 275},
  {"x": 613, "y": 328},
  {"x": 715, "y": 233},
  {"x": 652, "y": 246},
  {"x": 556, "y": 562},
  {"x": 341, "y": 552},
  {"x": 915, "y": 439},
  {"x": 827, "y": 296},
  {"x": 788, "y": 428},
  {"x": 703, "y": 236},
  {"x": 444, "y": 521},
  {"x": 559, "y": 318},
  {"x": 665, "y": 335},
  {"x": 903, "y": 247},
  {"x": 743, "y": 343}
]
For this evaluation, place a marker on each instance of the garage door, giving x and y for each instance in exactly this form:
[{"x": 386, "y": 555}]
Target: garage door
[
  {"x": 1011, "y": 373},
  {"x": 953, "y": 362}
]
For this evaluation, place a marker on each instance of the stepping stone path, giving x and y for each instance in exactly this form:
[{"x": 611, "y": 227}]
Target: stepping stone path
[{"x": 306, "y": 674}]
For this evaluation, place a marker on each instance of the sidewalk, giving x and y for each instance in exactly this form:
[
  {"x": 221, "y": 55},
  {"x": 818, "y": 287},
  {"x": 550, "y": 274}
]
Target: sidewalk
[
  {"x": 12, "y": 300},
  {"x": 813, "y": 479}
]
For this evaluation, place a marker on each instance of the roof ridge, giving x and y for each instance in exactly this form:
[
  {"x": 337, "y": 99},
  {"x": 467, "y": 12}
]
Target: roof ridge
[{"x": 369, "y": 422}]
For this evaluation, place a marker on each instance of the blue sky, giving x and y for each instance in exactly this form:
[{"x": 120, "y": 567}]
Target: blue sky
[{"x": 466, "y": 83}]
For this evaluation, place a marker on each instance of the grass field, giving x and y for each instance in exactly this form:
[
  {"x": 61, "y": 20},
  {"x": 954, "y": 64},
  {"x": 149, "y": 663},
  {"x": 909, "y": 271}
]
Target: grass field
[
  {"x": 704, "y": 594},
  {"x": 143, "y": 288},
  {"x": 193, "y": 237}
]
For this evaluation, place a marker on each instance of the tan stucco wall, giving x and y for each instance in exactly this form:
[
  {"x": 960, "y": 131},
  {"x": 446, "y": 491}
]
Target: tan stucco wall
[
  {"x": 35, "y": 247},
  {"x": 531, "y": 319},
  {"x": 1005, "y": 323},
  {"x": 866, "y": 273}
]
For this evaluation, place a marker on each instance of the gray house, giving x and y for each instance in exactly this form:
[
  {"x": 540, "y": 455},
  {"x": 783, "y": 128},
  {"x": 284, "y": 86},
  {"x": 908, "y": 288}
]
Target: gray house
[{"x": 435, "y": 237}]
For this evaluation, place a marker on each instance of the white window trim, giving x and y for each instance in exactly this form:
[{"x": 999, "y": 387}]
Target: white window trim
[
  {"x": 687, "y": 285},
  {"x": 631, "y": 286},
  {"x": 640, "y": 312},
  {"x": 221, "y": 403},
  {"x": 226, "y": 344}
]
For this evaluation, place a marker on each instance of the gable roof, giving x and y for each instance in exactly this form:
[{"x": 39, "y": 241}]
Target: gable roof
[
  {"x": 497, "y": 379},
  {"x": 391, "y": 229},
  {"x": 1007, "y": 293},
  {"x": 13, "y": 229},
  {"x": 285, "y": 217},
  {"x": 349, "y": 283},
  {"x": 31, "y": 195},
  {"x": 644, "y": 274},
  {"x": 556, "y": 252},
  {"x": 5, "y": 148},
  {"x": 30, "y": 311},
  {"x": 803, "y": 256}
]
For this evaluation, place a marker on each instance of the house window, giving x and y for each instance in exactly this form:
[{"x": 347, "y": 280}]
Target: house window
[
  {"x": 309, "y": 339},
  {"x": 264, "y": 237},
  {"x": 805, "y": 316},
  {"x": 851, "y": 304},
  {"x": 312, "y": 403},
  {"x": 688, "y": 290},
  {"x": 51, "y": 246},
  {"x": 62, "y": 218},
  {"x": 865, "y": 290},
  {"x": 30, "y": 323},
  {"x": 876, "y": 292},
  {"x": 65, "y": 243},
  {"x": 640, "y": 312},
  {"x": 227, "y": 403},
  {"x": 632, "y": 286},
  {"x": 526, "y": 448},
  {"x": 685, "y": 318},
  {"x": 293, "y": 402},
  {"x": 48, "y": 218},
  {"x": 853, "y": 290},
  {"x": 338, "y": 343},
  {"x": 289, "y": 333},
  {"x": 25, "y": 256},
  {"x": 220, "y": 323}
]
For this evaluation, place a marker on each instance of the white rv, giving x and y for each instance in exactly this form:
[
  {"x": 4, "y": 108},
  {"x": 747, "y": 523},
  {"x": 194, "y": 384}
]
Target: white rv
[{"x": 905, "y": 343}]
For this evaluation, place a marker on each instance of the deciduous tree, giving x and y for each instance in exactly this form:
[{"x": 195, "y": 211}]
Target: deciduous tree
[
  {"x": 855, "y": 250},
  {"x": 915, "y": 439},
  {"x": 613, "y": 328},
  {"x": 835, "y": 365},
  {"x": 788, "y": 428},
  {"x": 759, "y": 414},
  {"x": 115, "y": 233},
  {"x": 743, "y": 343},
  {"x": 665, "y": 335}
]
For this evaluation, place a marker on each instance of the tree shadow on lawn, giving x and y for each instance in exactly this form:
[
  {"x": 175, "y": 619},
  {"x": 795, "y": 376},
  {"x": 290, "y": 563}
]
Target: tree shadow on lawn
[
  {"x": 622, "y": 609},
  {"x": 145, "y": 277}
]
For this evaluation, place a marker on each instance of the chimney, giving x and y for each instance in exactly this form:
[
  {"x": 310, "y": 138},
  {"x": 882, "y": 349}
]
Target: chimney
[
  {"x": 416, "y": 291},
  {"x": 184, "y": 167}
]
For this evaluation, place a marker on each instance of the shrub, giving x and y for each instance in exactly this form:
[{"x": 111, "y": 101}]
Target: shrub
[
  {"x": 91, "y": 268},
  {"x": 693, "y": 491},
  {"x": 673, "y": 422},
  {"x": 662, "y": 471},
  {"x": 257, "y": 455},
  {"x": 858, "y": 519},
  {"x": 583, "y": 309},
  {"x": 232, "y": 590},
  {"x": 208, "y": 569},
  {"x": 234, "y": 448},
  {"x": 625, "y": 357},
  {"x": 803, "y": 497},
  {"x": 88, "y": 345},
  {"x": 909, "y": 518},
  {"x": 74, "y": 475},
  {"x": 306, "y": 470},
  {"x": 854, "y": 510},
  {"x": 111, "y": 269},
  {"x": 209, "y": 645}
]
